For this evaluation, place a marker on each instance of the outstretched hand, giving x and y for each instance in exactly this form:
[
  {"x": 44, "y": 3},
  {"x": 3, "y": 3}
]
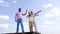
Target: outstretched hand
[
  {"x": 37, "y": 12},
  {"x": 40, "y": 10},
  {"x": 25, "y": 13}
]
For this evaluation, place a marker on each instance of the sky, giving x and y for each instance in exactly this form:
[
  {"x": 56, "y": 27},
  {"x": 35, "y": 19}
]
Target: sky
[{"x": 47, "y": 22}]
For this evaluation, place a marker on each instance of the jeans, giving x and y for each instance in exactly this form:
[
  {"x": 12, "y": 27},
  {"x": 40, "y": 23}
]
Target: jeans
[{"x": 19, "y": 21}]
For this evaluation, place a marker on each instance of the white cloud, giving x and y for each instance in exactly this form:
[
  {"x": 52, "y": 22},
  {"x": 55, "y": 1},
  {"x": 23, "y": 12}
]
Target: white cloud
[
  {"x": 48, "y": 15},
  {"x": 44, "y": 26},
  {"x": 4, "y": 3},
  {"x": 1, "y": 1},
  {"x": 53, "y": 12},
  {"x": 4, "y": 25},
  {"x": 14, "y": 1},
  {"x": 50, "y": 26},
  {"x": 4, "y": 28},
  {"x": 4, "y": 17},
  {"x": 48, "y": 5},
  {"x": 46, "y": 22}
]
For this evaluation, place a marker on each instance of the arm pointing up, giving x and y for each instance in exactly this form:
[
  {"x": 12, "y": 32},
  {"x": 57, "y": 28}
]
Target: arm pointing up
[{"x": 37, "y": 12}]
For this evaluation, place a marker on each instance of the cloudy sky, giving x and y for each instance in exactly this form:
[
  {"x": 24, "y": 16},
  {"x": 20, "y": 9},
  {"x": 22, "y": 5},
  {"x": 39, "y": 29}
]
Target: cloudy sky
[{"x": 47, "y": 22}]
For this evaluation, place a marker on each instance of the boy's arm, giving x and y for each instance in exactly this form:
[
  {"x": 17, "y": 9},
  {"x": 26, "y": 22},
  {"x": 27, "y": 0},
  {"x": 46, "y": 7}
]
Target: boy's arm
[
  {"x": 37, "y": 12},
  {"x": 15, "y": 18},
  {"x": 25, "y": 13}
]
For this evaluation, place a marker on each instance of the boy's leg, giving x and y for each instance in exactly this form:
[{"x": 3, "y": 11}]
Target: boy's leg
[
  {"x": 22, "y": 28},
  {"x": 17, "y": 27}
]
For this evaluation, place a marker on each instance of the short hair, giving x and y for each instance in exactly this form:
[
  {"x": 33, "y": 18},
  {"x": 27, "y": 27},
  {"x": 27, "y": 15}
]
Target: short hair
[{"x": 19, "y": 9}]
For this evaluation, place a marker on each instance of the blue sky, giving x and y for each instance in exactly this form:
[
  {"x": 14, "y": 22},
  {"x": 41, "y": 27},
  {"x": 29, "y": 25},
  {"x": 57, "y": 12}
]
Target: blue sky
[{"x": 47, "y": 22}]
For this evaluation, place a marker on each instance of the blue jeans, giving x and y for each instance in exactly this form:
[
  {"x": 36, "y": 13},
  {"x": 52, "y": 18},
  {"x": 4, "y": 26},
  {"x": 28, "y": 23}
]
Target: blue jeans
[{"x": 19, "y": 21}]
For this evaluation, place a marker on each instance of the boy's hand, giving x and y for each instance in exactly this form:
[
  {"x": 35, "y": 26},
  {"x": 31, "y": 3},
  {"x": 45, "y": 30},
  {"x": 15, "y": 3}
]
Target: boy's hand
[
  {"x": 25, "y": 13},
  {"x": 37, "y": 12},
  {"x": 40, "y": 10}
]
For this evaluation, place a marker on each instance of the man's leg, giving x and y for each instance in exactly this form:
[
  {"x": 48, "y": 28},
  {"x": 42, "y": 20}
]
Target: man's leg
[{"x": 17, "y": 27}]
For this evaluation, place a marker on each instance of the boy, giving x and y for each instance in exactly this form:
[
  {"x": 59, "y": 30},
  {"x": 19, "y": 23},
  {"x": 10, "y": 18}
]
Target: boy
[{"x": 18, "y": 19}]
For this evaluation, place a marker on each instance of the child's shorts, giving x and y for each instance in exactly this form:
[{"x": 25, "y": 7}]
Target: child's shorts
[{"x": 31, "y": 24}]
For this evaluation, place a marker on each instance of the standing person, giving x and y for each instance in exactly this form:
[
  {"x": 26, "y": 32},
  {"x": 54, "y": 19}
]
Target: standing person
[
  {"x": 31, "y": 20},
  {"x": 18, "y": 19}
]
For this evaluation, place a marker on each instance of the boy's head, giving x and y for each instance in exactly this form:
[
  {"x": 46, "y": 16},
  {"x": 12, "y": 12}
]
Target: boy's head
[{"x": 19, "y": 9}]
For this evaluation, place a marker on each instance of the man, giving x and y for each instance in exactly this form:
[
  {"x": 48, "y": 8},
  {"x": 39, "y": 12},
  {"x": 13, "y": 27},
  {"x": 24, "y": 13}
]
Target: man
[{"x": 18, "y": 19}]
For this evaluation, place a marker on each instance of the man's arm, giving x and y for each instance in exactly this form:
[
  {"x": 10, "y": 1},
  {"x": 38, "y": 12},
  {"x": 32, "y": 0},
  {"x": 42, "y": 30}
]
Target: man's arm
[{"x": 25, "y": 13}]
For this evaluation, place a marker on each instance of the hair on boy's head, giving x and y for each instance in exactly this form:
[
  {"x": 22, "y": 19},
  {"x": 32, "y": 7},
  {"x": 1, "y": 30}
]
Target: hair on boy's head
[{"x": 19, "y": 9}]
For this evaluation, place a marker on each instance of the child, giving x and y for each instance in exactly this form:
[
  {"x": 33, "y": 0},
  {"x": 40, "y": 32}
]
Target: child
[
  {"x": 18, "y": 19},
  {"x": 31, "y": 20}
]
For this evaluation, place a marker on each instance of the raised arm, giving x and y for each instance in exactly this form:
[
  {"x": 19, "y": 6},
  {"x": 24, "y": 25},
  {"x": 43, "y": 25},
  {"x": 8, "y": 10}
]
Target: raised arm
[
  {"x": 37, "y": 13},
  {"x": 25, "y": 13}
]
